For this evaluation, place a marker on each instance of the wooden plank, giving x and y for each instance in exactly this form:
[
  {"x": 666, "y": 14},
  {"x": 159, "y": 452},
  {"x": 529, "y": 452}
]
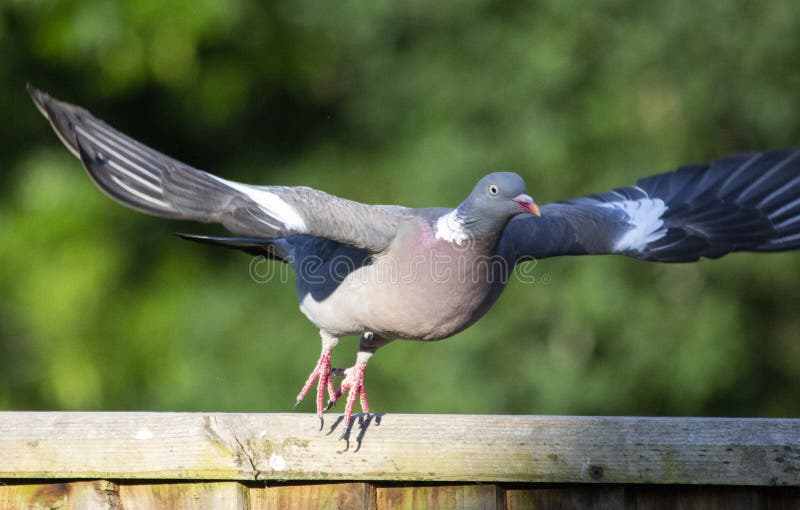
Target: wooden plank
[
  {"x": 446, "y": 497},
  {"x": 783, "y": 498},
  {"x": 601, "y": 497},
  {"x": 84, "y": 495},
  {"x": 699, "y": 498},
  {"x": 323, "y": 496},
  {"x": 711, "y": 451},
  {"x": 185, "y": 496}
]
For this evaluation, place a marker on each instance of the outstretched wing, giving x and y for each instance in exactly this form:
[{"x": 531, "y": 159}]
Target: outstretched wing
[
  {"x": 153, "y": 183},
  {"x": 747, "y": 202}
]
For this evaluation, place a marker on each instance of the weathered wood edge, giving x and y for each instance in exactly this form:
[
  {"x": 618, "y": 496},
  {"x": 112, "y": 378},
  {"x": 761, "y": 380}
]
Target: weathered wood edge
[{"x": 552, "y": 449}]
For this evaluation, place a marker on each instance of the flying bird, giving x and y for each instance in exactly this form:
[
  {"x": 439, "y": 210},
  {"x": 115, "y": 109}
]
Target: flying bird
[{"x": 391, "y": 272}]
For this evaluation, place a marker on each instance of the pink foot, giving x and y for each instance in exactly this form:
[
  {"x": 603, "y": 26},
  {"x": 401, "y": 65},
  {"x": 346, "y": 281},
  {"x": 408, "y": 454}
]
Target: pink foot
[
  {"x": 321, "y": 374},
  {"x": 353, "y": 383}
]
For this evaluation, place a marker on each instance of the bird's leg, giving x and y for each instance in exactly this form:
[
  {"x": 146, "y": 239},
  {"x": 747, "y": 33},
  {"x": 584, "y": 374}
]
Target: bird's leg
[
  {"x": 353, "y": 381},
  {"x": 321, "y": 373}
]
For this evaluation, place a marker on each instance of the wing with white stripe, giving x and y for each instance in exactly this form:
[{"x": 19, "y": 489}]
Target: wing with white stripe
[
  {"x": 748, "y": 202},
  {"x": 146, "y": 180}
]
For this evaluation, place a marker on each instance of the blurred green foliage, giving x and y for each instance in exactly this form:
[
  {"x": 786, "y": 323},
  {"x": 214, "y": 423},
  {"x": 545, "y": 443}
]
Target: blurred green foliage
[{"x": 391, "y": 102}]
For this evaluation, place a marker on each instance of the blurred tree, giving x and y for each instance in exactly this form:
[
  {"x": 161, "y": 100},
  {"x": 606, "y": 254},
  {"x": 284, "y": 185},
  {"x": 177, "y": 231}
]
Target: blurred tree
[{"x": 391, "y": 102}]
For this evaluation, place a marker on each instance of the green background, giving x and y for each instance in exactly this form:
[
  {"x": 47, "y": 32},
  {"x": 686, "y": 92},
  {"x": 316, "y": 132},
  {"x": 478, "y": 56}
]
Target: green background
[{"x": 391, "y": 102}]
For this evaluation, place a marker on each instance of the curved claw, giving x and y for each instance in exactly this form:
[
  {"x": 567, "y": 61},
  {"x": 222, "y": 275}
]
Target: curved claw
[
  {"x": 322, "y": 376},
  {"x": 353, "y": 383}
]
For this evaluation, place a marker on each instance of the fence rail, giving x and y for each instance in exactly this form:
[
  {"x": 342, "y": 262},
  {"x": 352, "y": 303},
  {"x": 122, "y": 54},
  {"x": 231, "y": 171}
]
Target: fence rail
[{"x": 266, "y": 460}]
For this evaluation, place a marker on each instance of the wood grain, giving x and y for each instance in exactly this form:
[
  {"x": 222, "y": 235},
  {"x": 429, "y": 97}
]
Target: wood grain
[
  {"x": 585, "y": 497},
  {"x": 783, "y": 498},
  {"x": 277, "y": 447},
  {"x": 83, "y": 495},
  {"x": 140, "y": 495},
  {"x": 185, "y": 496},
  {"x": 446, "y": 497},
  {"x": 325, "y": 496},
  {"x": 700, "y": 498}
]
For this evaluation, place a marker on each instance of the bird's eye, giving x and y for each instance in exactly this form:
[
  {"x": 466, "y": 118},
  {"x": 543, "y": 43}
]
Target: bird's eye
[{"x": 493, "y": 189}]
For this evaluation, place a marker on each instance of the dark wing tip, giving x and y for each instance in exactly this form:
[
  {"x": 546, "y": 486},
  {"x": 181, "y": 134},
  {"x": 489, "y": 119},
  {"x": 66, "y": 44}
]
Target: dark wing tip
[
  {"x": 40, "y": 99},
  {"x": 46, "y": 103},
  {"x": 33, "y": 91},
  {"x": 60, "y": 115}
]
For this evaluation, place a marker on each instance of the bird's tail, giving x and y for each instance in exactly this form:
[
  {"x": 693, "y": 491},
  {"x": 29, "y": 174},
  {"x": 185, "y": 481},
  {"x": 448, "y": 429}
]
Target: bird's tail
[
  {"x": 276, "y": 249},
  {"x": 747, "y": 202}
]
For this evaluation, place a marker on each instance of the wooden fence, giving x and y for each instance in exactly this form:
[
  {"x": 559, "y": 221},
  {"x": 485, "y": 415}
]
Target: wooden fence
[{"x": 284, "y": 461}]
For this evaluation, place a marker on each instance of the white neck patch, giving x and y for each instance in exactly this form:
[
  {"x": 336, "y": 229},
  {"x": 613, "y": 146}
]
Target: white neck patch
[{"x": 449, "y": 227}]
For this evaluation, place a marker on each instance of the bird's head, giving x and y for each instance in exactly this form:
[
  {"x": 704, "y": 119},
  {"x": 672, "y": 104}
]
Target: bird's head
[
  {"x": 497, "y": 197},
  {"x": 493, "y": 201}
]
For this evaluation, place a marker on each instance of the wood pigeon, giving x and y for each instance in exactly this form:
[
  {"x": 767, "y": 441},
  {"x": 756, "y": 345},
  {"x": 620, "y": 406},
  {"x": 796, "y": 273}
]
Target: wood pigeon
[{"x": 391, "y": 272}]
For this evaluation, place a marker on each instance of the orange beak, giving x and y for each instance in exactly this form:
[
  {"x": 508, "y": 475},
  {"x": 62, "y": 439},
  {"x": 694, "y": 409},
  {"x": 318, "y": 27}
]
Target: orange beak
[{"x": 527, "y": 204}]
